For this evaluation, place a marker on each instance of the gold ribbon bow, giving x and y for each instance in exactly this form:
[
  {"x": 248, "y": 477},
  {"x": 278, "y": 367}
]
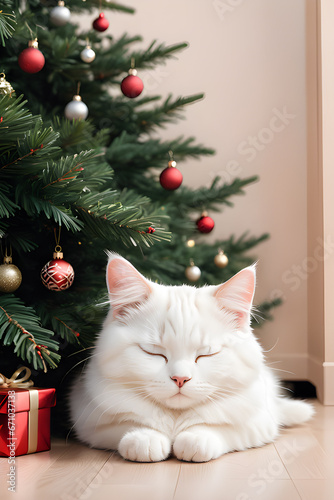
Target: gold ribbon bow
[
  {"x": 23, "y": 382},
  {"x": 15, "y": 382}
]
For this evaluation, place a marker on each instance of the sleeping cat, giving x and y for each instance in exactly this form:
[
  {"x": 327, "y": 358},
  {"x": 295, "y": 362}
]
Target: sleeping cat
[{"x": 177, "y": 370}]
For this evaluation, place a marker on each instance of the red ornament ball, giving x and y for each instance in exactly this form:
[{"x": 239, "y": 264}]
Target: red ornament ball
[
  {"x": 101, "y": 23},
  {"x": 132, "y": 86},
  {"x": 57, "y": 275},
  {"x": 205, "y": 224},
  {"x": 31, "y": 60},
  {"x": 171, "y": 178}
]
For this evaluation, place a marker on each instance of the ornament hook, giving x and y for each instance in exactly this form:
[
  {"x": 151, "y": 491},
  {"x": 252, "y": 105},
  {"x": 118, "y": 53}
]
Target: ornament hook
[{"x": 57, "y": 238}]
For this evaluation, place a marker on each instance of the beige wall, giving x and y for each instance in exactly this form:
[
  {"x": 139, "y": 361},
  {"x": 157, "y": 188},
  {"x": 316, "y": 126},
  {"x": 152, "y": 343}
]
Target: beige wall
[{"x": 249, "y": 57}]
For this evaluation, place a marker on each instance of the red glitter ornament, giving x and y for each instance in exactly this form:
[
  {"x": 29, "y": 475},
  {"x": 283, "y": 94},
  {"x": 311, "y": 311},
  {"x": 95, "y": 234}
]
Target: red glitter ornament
[
  {"x": 205, "y": 224},
  {"x": 101, "y": 23},
  {"x": 132, "y": 86},
  {"x": 171, "y": 178},
  {"x": 57, "y": 274},
  {"x": 31, "y": 60}
]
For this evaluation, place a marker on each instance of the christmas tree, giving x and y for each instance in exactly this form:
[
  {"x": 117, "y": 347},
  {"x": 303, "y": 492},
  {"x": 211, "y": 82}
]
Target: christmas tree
[{"x": 86, "y": 185}]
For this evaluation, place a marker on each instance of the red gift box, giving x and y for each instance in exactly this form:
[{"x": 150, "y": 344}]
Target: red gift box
[{"x": 24, "y": 417}]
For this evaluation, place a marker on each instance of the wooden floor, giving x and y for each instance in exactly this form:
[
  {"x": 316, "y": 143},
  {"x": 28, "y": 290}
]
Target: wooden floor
[{"x": 300, "y": 465}]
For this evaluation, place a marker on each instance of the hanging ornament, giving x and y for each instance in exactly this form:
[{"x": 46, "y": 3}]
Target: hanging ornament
[
  {"x": 76, "y": 109},
  {"x": 205, "y": 224},
  {"x": 192, "y": 272},
  {"x": 191, "y": 243},
  {"x": 132, "y": 86},
  {"x": 87, "y": 54},
  {"x": 171, "y": 178},
  {"x": 221, "y": 259},
  {"x": 60, "y": 15},
  {"x": 5, "y": 87},
  {"x": 57, "y": 274},
  {"x": 10, "y": 275},
  {"x": 100, "y": 23},
  {"x": 31, "y": 60}
]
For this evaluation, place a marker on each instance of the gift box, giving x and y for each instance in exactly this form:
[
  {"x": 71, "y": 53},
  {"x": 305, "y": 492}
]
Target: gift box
[{"x": 24, "y": 416}]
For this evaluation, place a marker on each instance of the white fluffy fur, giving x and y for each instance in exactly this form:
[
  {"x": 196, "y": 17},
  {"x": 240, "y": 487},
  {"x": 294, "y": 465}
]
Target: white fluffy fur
[{"x": 126, "y": 399}]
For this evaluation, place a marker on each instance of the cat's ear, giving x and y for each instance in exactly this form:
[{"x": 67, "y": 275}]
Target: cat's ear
[
  {"x": 127, "y": 288},
  {"x": 236, "y": 295}
]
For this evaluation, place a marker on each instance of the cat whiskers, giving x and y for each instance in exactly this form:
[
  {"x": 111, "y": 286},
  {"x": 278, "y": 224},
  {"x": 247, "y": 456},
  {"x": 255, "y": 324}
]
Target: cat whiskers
[
  {"x": 94, "y": 354},
  {"x": 222, "y": 393},
  {"x": 142, "y": 395},
  {"x": 107, "y": 393},
  {"x": 273, "y": 347},
  {"x": 281, "y": 370},
  {"x": 214, "y": 401}
]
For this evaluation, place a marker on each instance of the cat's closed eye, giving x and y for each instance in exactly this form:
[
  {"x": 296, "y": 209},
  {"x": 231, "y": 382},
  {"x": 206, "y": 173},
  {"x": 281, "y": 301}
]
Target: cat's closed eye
[
  {"x": 153, "y": 353},
  {"x": 206, "y": 355}
]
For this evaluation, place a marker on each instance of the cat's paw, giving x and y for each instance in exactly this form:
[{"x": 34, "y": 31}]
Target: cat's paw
[
  {"x": 194, "y": 446},
  {"x": 144, "y": 445}
]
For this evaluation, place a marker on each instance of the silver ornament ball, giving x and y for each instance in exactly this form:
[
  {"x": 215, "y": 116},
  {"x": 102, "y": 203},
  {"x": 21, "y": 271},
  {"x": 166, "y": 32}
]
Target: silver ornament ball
[
  {"x": 87, "y": 55},
  {"x": 193, "y": 273},
  {"x": 60, "y": 15},
  {"x": 76, "y": 109}
]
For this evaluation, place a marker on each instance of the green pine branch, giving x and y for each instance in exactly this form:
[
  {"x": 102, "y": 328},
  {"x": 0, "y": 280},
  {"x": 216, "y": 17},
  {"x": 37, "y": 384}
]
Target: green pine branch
[
  {"x": 93, "y": 5},
  {"x": 115, "y": 222},
  {"x": 156, "y": 53},
  {"x": 16, "y": 120},
  {"x": 167, "y": 112},
  {"x": 151, "y": 153},
  {"x": 7, "y": 206},
  {"x": 171, "y": 261},
  {"x": 61, "y": 320},
  {"x": 21, "y": 327},
  {"x": 34, "y": 205},
  {"x": 19, "y": 236},
  {"x": 116, "y": 59},
  {"x": 7, "y": 24},
  {"x": 217, "y": 194},
  {"x": 78, "y": 135},
  {"x": 76, "y": 325}
]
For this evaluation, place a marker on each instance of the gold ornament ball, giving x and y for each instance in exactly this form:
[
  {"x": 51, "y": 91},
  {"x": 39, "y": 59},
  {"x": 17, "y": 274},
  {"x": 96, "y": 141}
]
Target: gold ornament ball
[
  {"x": 5, "y": 87},
  {"x": 10, "y": 278},
  {"x": 221, "y": 260},
  {"x": 191, "y": 243}
]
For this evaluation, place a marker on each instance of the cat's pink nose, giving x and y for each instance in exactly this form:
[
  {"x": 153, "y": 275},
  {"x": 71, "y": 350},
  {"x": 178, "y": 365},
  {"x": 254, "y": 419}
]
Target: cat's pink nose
[{"x": 180, "y": 381}]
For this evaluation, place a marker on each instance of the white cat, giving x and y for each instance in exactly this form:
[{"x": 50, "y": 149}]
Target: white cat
[{"x": 177, "y": 370}]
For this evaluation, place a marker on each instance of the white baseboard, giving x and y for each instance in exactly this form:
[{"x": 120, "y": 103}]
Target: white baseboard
[
  {"x": 321, "y": 374},
  {"x": 306, "y": 367}
]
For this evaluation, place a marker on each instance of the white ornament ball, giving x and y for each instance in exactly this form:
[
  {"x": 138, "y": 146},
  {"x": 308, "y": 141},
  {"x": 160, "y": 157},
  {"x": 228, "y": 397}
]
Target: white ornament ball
[
  {"x": 87, "y": 55},
  {"x": 60, "y": 15},
  {"x": 76, "y": 109},
  {"x": 193, "y": 273}
]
